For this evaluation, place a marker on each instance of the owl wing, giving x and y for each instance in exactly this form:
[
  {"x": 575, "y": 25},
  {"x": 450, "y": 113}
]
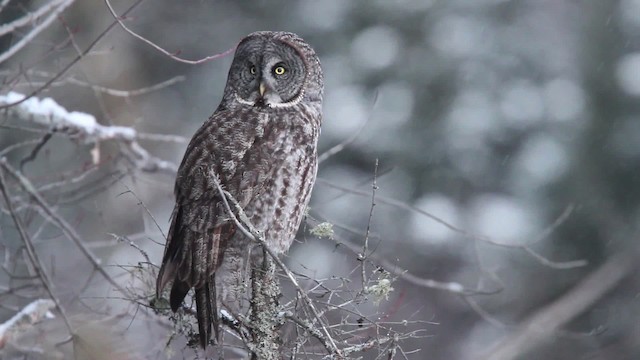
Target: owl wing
[{"x": 200, "y": 226}]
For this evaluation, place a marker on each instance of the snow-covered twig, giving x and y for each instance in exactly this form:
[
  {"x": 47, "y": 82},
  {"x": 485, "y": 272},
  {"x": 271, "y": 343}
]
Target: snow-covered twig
[
  {"x": 25, "y": 318},
  {"x": 49, "y": 113}
]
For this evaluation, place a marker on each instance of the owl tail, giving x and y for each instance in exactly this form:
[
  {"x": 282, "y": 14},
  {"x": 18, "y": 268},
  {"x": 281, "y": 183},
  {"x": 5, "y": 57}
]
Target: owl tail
[
  {"x": 207, "y": 312},
  {"x": 190, "y": 261}
]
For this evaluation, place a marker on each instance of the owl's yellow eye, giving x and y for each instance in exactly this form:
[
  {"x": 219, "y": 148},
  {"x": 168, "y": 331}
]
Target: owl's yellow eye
[
  {"x": 279, "y": 70},
  {"x": 252, "y": 70}
]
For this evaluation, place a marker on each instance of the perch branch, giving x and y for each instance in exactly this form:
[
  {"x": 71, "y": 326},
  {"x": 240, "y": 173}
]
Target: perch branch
[{"x": 250, "y": 232}]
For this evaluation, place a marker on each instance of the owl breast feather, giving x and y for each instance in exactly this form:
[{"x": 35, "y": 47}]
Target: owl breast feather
[{"x": 286, "y": 153}]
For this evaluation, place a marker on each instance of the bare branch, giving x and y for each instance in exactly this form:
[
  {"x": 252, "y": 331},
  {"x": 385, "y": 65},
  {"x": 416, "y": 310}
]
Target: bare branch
[
  {"x": 159, "y": 48},
  {"x": 365, "y": 247},
  {"x": 466, "y": 234},
  {"x": 247, "y": 229},
  {"x": 102, "y": 89},
  {"x": 38, "y": 266},
  {"x": 60, "y": 6},
  {"x": 73, "y": 62},
  {"x": 47, "y": 112},
  {"x": 29, "y": 315},
  {"x": 547, "y": 320},
  {"x": 338, "y": 148},
  {"x": 68, "y": 230}
]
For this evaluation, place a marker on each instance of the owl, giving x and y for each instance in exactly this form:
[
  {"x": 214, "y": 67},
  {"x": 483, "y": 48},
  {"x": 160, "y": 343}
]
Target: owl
[{"x": 261, "y": 146}]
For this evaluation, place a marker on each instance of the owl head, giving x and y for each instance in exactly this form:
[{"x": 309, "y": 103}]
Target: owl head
[{"x": 274, "y": 70}]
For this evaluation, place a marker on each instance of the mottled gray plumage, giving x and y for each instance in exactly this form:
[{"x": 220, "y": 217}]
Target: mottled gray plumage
[{"x": 261, "y": 142}]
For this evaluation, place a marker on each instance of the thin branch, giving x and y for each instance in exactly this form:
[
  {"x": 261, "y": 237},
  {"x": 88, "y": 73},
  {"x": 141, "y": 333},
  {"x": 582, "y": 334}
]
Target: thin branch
[
  {"x": 338, "y": 148},
  {"x": 129, "y": 93},
  {"x": 28, "y": 18},
  {"x": 47, "y": 112},
  {"x": 106, "y": 90},
  {"x": 402, "y": 205},
  {"x": 29, "y": 315},
  {"x": 254, "y": 235},
  {"x": 159, "y": 48},
  {"x": 61, "y": 6},
  {"x": 73, "y": 62},
  {"x": 399, "y": 272},
  {"x": 365, "y": 247},
  {"x": 38, "y": 266},
  {"x": 163, "y": 138},
  {"x": 144, "y": 206},
  {"x": 547, "y": 320},
  {"x": 60, "y": 222}
]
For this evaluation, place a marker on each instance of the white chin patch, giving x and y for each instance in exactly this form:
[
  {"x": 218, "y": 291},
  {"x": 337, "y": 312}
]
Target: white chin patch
[
  {"x": 293, "y": 102},
  {"x": 244, "y": 102},
  {"x": 273, "y": 102}
]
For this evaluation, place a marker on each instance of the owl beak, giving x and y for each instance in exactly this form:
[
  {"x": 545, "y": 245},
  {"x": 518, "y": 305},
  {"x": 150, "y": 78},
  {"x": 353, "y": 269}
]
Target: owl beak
[{"x": 262, "y": 89}]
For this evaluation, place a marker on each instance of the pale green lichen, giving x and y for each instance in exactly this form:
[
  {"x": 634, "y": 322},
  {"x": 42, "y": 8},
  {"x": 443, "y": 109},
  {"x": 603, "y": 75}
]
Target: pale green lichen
[
  {"x": 324, "y": 229},
  {"x": 380, "y": 291}
]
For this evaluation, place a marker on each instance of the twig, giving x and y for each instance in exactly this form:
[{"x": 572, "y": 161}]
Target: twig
[
  {"x": 28, "y": 316},
  {"x": 338, "y": 148},
  {"x": 49, "y": 113},
  {"x": 144, "y": 206},
  {"x": 159, "y": 48},
  {"x": 365, "y": 247},
  {"x": 28, "y": 18},
  {"x": 102, "y": 89},
  {"x": 309, "y": 328},
  {"x": 163, "y": 137},
  {"x": 34, "y": 152},
  {"x": 60, "y": 222},
  {"x": 365, "y": 345},
  {"x": 401, "y": 205},
  {"x": 404, "y": 274},
  {"x": 73, "y": 62},
  {"x": 61, "y": 6},
  {"x": 33, "y": 255},
  {"x": 544, "y": 322},
  {"x": 254, "y": 235}
]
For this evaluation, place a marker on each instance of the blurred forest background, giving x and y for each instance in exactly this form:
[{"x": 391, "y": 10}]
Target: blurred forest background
[{"x": 515, "y": 122}]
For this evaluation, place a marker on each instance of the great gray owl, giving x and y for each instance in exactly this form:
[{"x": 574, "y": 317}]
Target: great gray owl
[{"x": 261, "y": 143}]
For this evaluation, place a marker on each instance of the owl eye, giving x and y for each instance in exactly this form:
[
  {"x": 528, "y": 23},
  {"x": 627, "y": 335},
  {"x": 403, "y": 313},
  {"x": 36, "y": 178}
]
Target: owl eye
[
  {"x": 279, "y": 70},
  {"x": 252, "y": 70}
]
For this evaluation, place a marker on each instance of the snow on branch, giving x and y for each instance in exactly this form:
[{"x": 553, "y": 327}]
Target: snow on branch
[
  {"x": 25, "y": 318},
  {"x": 49, "y": 113}
]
